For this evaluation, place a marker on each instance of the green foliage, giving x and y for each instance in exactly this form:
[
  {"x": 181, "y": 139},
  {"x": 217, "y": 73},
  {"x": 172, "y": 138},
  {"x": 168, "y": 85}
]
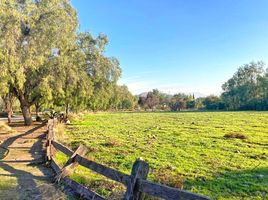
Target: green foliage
[
  {"x": 161, "y": 101},
  {"x": 190, "y": 146},
  {"x": 122, "y": 99},
  {"x": 27, "y": 42},
  {"x": 179, "y": 102},
  {"x": 213, "y": 103},
  {"x": 247, "y": 89},
  {"x": 154, "y": 100},
  {"x": 46, "y": 63}
]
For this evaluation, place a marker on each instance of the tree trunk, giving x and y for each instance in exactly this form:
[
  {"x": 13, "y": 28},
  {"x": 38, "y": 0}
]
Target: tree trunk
[
  {"x": 26, "y": 115},
  {"x": 25, "y": 108},
  {"x": 9, "y": 110},
  {"x": 37, "y": 116},
  {"x": 9, "y": 116},
  {"x": 66, "y": 110},
  {"x": 8, "y": 106}
]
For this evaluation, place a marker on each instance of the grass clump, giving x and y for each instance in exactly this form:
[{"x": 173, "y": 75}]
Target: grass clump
[
  {"x": 76, "y": 116},
  {"x": 167, "y": 177},
  {"x": 60, "y": 134},
  {"x": 236, "y": 135},
  {"x": 5, "y": 129},
  {"x": 111, "y": 142}
]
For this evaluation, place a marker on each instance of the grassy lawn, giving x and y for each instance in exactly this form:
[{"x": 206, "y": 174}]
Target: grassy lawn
[{"x": 186, "y": 150}]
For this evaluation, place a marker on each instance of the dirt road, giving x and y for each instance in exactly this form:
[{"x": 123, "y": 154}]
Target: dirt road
[{"x": 23, "y": 172}]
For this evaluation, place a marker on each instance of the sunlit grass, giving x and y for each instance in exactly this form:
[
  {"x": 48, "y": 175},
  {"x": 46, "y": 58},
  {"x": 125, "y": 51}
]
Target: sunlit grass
[{"x": 184, "y": 150}]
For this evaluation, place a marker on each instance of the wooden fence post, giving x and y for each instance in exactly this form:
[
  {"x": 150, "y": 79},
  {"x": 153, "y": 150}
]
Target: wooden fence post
[
  {"x": 71, "y": 163},
  {"x": 50, "y": 137},
  {"x": 140, "y": 170}
]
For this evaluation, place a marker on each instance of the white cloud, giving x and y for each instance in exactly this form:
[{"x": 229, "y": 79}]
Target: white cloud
[
  {"x": 143, "y": 82},
  {"x": 137, "y": 86}
]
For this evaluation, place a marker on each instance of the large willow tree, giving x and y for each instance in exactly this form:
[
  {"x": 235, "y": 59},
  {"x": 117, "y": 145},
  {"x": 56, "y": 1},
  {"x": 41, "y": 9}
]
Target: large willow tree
[
  {"x": 34, "y": 37},
  {"x": 103, "y": 71},
  {"x": 44, "y": 61}
]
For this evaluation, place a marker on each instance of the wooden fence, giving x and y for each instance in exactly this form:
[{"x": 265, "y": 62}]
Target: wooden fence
[{"x": 135, "y": 183}]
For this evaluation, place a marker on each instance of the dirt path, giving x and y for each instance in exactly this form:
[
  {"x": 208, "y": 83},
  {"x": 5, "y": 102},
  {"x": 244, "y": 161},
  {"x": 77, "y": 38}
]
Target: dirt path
[{"x": 23, "y": 173}]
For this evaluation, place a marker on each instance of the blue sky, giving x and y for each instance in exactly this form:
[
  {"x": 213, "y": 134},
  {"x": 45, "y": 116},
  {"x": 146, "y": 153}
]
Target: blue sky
[{"x": 179, "y": 45}]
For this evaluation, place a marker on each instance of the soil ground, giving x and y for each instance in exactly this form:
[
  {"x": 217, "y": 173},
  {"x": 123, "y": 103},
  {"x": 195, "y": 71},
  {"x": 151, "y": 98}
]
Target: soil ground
[{"x": 23, "y": 172}]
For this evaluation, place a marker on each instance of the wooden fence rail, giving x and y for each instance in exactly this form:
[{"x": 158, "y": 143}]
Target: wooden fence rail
[{"x": 136, "y": 182}]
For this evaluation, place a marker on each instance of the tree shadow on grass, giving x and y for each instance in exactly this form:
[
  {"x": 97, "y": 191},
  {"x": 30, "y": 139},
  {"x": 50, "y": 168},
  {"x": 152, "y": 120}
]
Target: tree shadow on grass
[{"x": 244, "y": 184}]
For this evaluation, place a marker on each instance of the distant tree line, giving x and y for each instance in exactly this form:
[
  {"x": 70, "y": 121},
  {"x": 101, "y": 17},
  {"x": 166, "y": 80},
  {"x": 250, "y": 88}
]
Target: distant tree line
[
  {"x": 246, "y": 90},
  {"x": 156, "y": 100}
]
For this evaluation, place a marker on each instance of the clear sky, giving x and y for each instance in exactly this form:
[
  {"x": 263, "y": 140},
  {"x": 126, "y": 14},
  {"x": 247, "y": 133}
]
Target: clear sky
[{"x": 179, "y": 45}]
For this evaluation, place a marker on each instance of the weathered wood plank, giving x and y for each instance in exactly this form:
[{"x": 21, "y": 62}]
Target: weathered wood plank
[
  {"x": 166, "y": 192},
  {"x": 78, "y": 189},
  {"x": 62, "y": 148},
  {"x": 71, "y": 163},
  {"x": 50, "y": 138},
  {"x": 103, "y": 170},
  {"x": 50, "y": 128},
  {"x": 54, "y": 166},
  {"x": 81, "y": 190},
  {"x": 81, "y": 151},
  {"x": 140, "y": 170},
  {"x": 48, "y": 150},
  {"x": 53, "y": 151}
]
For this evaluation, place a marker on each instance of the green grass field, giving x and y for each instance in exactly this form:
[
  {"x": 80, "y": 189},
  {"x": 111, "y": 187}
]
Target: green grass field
[{"x": 187, "y": 150}]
